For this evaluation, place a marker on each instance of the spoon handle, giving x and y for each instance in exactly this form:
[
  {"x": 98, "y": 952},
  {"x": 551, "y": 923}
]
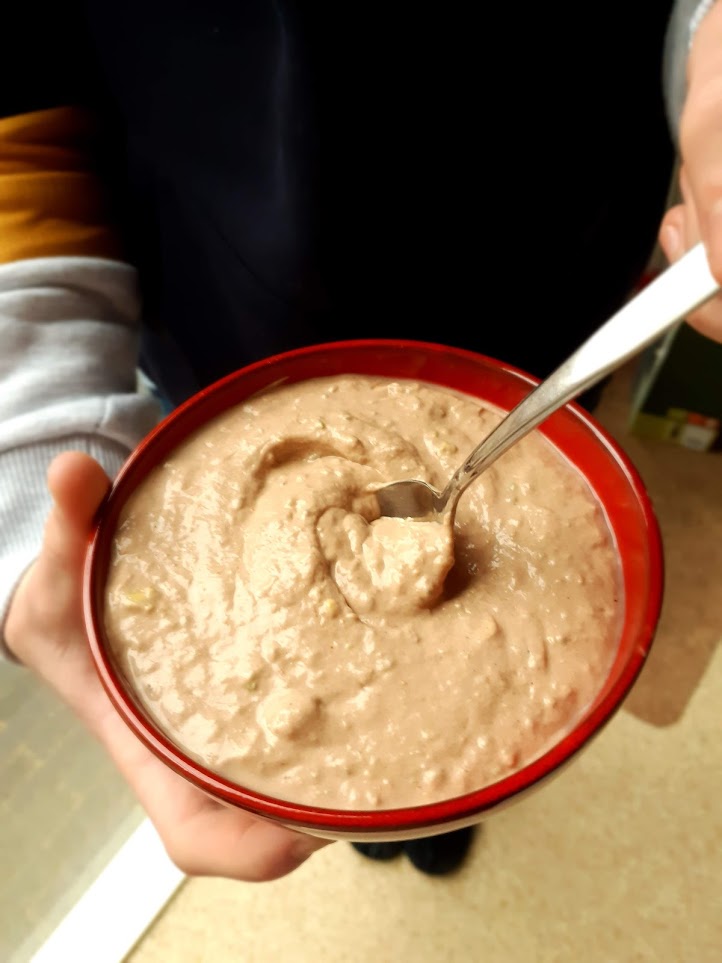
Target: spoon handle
[{"x": 675, "y": 293}]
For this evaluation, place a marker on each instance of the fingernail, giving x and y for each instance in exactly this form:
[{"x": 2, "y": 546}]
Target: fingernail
[{"x": 671, "y": 241}]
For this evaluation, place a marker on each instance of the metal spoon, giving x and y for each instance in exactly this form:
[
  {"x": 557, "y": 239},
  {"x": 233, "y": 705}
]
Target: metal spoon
[{"x": 677, "y": 291}]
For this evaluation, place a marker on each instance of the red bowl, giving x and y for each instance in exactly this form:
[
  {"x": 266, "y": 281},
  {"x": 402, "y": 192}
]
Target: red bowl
[{"x": 585, "y": 444}]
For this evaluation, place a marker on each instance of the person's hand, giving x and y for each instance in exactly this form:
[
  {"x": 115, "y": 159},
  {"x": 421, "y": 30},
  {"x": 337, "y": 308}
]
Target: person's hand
[
  {"x": 699, "y": 216},
  {"x": 44, "y": 630}
]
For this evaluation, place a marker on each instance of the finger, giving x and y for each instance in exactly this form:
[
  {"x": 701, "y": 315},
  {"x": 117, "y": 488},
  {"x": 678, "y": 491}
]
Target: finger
[
  {"x": 708, "y": 319},
  {"x": 678, "y": 232},
  {"x": 78, "y": 484},
  {"x": 54, "y": 597},
  {"x": 679, "y": 229},
  {"x": 45, "y": 620},
  {"x": 672, "y": 234},
  {"x": 203, "y": 837},
  {"x": 240, "y": 847}
]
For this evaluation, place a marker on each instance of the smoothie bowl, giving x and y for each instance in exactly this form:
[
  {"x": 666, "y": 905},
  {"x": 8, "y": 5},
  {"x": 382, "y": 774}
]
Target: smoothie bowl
[{"x": 289, "y": 652}]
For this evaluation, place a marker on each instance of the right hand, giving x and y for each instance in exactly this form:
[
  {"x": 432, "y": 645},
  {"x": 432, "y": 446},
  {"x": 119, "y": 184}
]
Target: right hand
[
  {"x": 699, "y": 216},
  {"x": 44, "y": 629}
]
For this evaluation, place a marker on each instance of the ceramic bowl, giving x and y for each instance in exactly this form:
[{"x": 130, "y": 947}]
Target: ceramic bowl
[{"x": 608, "y": 471}]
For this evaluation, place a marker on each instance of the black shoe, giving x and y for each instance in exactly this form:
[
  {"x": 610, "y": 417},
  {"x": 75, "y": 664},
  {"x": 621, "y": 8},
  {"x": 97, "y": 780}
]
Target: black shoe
[
  {"x": 379, "y": 851},
  {"x": 440, "y": 855}
]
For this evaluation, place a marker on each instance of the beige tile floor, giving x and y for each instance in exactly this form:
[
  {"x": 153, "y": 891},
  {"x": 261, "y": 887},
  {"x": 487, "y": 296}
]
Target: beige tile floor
[
  {"x": 64, "y": 812},
  {"x": 617, "y": 861}
]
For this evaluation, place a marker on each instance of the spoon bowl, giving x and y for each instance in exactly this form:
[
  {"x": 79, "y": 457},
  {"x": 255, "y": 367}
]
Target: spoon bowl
[{"x": 411, "y": 499}]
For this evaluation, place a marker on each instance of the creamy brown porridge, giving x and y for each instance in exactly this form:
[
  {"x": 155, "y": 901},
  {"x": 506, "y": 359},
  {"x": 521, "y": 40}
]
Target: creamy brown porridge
[{"x": 293, "y": 643}]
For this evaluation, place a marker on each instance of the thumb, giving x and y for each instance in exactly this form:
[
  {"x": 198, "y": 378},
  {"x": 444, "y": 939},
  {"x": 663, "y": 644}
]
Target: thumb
[
  {"x": 672, "y": 234},
  {"x": 45, "y": 615},
  {"x": 78, "y": 485}
]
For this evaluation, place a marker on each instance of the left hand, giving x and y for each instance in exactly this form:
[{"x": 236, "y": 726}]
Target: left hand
[{"x": 45, "y": 631}]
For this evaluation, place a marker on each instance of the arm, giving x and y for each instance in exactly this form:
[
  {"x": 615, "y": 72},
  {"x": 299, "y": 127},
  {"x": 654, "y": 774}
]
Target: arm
[
  {"x": 68, "y": 328},
  {"x": 693, "y": 78},
  {"x": 69, "y": 316}
]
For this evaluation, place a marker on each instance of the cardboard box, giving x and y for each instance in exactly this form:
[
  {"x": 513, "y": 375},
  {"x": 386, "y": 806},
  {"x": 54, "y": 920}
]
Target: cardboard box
[{"x": 678, "y": 391}]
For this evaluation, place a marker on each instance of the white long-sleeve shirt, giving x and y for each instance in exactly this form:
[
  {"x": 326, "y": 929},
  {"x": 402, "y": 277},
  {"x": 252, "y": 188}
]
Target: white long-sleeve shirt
[{"x": 69, "y": 329}]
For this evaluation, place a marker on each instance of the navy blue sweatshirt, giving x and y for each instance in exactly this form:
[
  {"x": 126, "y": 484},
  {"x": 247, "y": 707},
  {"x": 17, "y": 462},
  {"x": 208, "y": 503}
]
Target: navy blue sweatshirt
[{"x": 291, "y": 172}]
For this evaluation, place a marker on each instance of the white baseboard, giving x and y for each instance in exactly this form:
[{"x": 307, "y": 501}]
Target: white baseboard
[{"x": 118, "y": 907}]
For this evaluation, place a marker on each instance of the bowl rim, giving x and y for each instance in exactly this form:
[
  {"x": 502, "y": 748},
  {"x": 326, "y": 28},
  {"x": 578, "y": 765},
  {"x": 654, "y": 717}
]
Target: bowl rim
[{"x": 408, "y": 818}]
